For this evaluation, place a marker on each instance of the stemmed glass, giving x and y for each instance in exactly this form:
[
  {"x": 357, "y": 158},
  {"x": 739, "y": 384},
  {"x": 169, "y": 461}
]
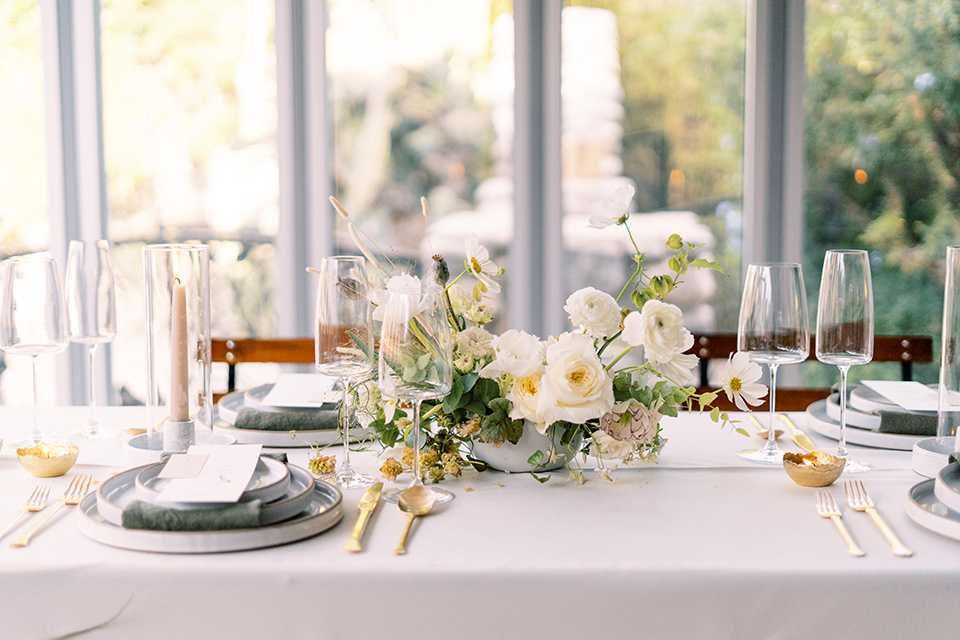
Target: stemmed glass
[
  {"x": 91, "y": 310},
  {"x": 344, "y": 344},
  {"x": 416, "y": 364},
  {"x": 773, "y": 330},
  {"x": 32, "y": 317},
  {"x": 845, "y": 325}
]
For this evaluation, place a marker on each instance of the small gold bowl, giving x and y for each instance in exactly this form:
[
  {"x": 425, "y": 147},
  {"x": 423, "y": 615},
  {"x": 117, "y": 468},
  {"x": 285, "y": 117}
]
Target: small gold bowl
[
  {"x": 47, "y": 459},
  {"x": 815, "y": 469}
]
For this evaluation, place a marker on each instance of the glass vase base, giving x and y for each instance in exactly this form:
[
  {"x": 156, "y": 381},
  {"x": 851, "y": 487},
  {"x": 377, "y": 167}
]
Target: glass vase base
[
  {"x": 763, "y": 456},
  {"x": 439, "y": 495}
]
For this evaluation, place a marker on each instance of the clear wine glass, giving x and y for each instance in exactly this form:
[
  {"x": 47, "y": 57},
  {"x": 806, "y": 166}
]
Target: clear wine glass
[
  {"x": 91, "y": 311},
  {"x": 344, "y": 343},
  {"x": 32, "y": 318},
  {"x": 845, "y": 326},
  {"x": 773, "y": 330},
  {"x": 416, "y": 364}
]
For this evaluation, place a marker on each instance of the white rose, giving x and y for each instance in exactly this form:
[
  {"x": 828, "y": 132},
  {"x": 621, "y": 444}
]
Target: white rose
[
  {"x": 659, "y": 328},
  {"x": 524, "y": 394},
  {"x": 517, "y": 353},
  {"x": 631, "y": 421},
  {"x": 576, "y": 388},
  {"x": 596, "y": 312}
]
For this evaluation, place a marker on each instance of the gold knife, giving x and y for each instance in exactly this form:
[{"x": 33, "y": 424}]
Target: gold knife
[
  {"x": 798, "y": 436},
  {"x": 368, "y": 503}
]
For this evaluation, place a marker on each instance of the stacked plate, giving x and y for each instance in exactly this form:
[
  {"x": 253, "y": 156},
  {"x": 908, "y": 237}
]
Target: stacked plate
[
  {"x": 863, "y": 420},
  {"x": 294, "y": 507},
  {"x": 935, "y": 504},
  {"x": 230, "y": 405}
]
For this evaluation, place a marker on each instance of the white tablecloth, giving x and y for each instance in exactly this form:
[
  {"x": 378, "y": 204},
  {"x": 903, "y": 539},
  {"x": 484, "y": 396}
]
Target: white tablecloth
[{"x": 700, "y": 545}]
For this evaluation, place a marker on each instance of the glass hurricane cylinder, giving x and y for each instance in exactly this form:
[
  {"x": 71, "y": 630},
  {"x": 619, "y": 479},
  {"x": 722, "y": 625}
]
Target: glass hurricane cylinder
[
  {"x": 948, "y": 409},
  {"x": 176, "y": 282}
]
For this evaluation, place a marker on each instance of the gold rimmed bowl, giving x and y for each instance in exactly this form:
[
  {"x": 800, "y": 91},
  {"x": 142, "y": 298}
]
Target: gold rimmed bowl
[
  {"x": 48, "y": 459},
  {"x": 814, "y": 469}
]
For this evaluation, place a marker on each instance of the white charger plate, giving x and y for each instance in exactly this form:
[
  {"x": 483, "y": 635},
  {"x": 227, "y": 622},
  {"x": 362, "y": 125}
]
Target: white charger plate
[
  {"x": 820, "y": 422},
  {"x": 269, "y": 482},
  {"x": 926, "y": 510},
  {"x": 324, "y": 509},
  {"x": 117, "y": 492}
]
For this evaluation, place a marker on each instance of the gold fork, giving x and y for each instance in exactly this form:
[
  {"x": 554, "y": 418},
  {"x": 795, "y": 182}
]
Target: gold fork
[
  {"x": 827, "y": 508},
  {"x": 35, "y": 502},
  {"x": 859, "y": 500},
  {"x": 75, "y": 491}
]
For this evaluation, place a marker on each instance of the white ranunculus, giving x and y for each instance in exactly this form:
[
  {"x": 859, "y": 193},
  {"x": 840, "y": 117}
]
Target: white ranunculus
[
  {"x": 576, "y": 388},
  {"x": 659, "y": 329},
  {"x": 518, "y": 354},
  {"x": 631, "y": 421},
  {"x": 524, "y": 394},
  {"x": 596, "y": 312},
  {"x": 475, "y": 342}
]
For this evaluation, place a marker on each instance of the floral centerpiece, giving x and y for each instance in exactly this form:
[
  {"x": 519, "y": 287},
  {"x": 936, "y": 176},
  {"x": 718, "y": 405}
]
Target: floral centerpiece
[{"x": 599, "y": 389}]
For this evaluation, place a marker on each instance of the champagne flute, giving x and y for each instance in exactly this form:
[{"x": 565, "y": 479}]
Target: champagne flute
[
  {"x": 416, "y": 364},
  {"x": 344, "y": 343},
  {"x": 32, "y": 317},
  {"x": 774, "y": 330},
  {"x": 91, "y": 311},
  {"x": 845, "y": 325}
]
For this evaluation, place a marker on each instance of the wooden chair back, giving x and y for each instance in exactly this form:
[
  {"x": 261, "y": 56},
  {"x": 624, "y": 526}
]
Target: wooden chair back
[{"x": 234, "y": 351}]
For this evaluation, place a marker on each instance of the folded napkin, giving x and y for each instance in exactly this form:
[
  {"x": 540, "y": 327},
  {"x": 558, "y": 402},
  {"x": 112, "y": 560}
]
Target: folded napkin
[
  {"x": 907, "y": 423},
  {"x": 154, "y": 517},
  {"x": 292, "y": 420}
]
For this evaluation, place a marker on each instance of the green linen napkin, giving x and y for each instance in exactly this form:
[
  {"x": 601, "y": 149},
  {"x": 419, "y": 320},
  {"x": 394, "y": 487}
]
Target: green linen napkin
[
  {"x": 908, "y": 424},
  {"x": 154, "y": 517},
  {"x": 293, "y": 420}
]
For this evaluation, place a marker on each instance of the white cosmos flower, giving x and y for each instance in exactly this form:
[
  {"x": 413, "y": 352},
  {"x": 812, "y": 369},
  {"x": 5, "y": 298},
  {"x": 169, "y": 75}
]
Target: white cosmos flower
[
  {"x": 740, "y": 381},
  {"x": 615, "y": 210},
  {"x": 478, "y": 263},
  {"x": 596, "y": 312},
  {"x": 518, "y": 354}
]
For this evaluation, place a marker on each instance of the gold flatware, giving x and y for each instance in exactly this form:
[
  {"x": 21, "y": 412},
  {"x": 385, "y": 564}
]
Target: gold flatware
[
  {"x": 798, "y": 436},
  {"x": 35, "y": 502},
  {"x": 859, "y": 500},
  {"x": 762, "y": 431},
  {"x": 827, "y": 508},
  {"x": 415, "y": 501},
  {"x": 73, "y": 495},
  {"x": 368, "y": 504}
]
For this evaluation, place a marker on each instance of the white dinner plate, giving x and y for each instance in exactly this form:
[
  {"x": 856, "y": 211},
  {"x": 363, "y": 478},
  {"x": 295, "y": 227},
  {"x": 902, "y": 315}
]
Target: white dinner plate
[
  {"x": 925, "y": 509},
  {"x": 269, "y": 482},
  {"x": 820, "y": 422},
  {"x": 324, "y": 510},
  {"x": 855, "y": 417},
  {"x": 116, "y": 493},
  {"x": 946, "y": 486}
]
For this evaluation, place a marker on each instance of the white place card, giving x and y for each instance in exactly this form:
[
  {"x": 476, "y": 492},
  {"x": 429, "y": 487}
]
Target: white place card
[
  {"x": 225, "y": 475},
  {"x": 912, "y": 396},
  {"x": 183, "y": 466},
  {"x": 302, "y": 390}
]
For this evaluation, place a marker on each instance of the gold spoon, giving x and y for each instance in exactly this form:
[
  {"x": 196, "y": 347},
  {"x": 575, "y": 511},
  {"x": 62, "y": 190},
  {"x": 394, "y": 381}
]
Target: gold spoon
[
  {"x": 763, "y": 432},
  {"x": 415, "y": 501}
]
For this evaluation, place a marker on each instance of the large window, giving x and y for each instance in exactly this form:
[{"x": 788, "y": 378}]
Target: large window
[
  {"x": 190, "y": 121},
  {"x": 883, "y": 144}
]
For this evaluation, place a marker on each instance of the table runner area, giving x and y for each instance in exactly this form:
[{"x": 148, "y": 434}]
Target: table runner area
[{"x": 701, "y": 545}]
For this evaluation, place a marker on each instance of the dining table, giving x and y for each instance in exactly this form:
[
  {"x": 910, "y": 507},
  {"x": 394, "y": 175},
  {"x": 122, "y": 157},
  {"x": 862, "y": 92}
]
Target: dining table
[{"x": 699, "y": 544}]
